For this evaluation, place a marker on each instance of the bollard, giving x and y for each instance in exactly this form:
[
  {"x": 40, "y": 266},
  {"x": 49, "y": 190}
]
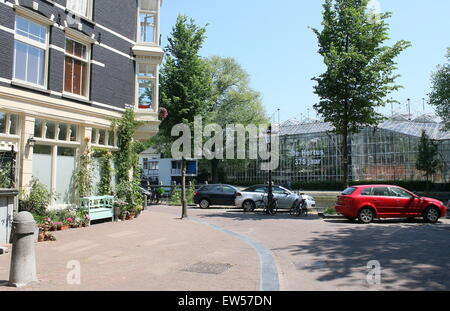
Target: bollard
[
  {"x": 23, "y": 259},
  {"x": 145, "y": 201}
]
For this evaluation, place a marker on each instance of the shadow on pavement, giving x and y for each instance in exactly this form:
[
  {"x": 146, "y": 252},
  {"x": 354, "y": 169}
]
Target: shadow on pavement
[
  {"x": 411, "y": 257},
  {"x": 258, "y": 215}
]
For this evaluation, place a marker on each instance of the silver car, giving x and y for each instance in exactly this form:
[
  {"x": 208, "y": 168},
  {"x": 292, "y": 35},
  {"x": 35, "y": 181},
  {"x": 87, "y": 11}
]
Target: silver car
[{"x": 248, "y": 198}]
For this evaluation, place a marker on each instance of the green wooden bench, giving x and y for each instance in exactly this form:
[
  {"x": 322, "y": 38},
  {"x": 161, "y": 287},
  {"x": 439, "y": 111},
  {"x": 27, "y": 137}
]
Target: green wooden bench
[{"x": 99, "y": 207}]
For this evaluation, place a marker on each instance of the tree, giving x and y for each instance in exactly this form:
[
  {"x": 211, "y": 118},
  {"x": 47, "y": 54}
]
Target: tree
[
  {"x": 440, "y": 94},
  {"x": 234, "y": 101},
  {"x": 185, "y": 83},
  {"x": 427, "y": 159},
  {"x": 359, "y": 69}
]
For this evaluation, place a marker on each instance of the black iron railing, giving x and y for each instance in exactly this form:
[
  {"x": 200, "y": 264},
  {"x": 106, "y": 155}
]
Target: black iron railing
[{"x": 8, "y": 169}]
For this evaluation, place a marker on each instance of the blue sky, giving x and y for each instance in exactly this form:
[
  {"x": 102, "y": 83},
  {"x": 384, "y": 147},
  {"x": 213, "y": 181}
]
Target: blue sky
[{"x": 273, "y": 43}]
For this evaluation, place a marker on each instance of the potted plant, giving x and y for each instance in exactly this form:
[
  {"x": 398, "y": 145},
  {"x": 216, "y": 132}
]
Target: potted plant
[
  {"x": 67, "y": 223},
  {"x": 41, "y": 235},
  {"x": 120, "y": 206},
  {"x": 58, "y": 225},
  {"x": 138, "y": 211}
]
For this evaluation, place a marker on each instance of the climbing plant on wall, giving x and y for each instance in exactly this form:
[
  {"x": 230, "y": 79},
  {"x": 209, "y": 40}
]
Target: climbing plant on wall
[
  {"x": 127, "y": 160},
  {"x": 83, "y": 180},
  {"x": 106, "y": 172}
]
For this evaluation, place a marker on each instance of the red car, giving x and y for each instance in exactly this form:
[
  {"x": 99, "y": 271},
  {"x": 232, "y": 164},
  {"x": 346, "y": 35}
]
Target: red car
[{"x": 384, "y": 201}]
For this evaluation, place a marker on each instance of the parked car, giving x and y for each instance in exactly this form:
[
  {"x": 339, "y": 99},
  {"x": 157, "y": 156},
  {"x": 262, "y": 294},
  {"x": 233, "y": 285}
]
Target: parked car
[
  {"x": 285, "y": 198},
  {"x": 386, "y": 201},
  {"x": 209, "y": 195}
]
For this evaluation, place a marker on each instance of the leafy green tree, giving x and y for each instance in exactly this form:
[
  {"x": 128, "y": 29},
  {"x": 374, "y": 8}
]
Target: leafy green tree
[
  {"x": 359, "y": 68},
  {"x": 428, "y": 158},
  {"x": 234, "y": 101},
  {"x": 185, "y": 83},
  {"x": 440, "y": 94}
]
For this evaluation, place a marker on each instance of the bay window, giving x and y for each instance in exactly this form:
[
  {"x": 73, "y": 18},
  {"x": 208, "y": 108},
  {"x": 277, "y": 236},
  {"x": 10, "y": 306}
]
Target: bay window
[
  {"x": 80, "y": 7},
  {"x": 148, "y": 21},
  {"x": 146, "y": 81},
  {"x": 50, "y": 130},
  {"x": 30, "y": 51},
  {"x": 76, "y": 68},
  {"x": 102, "y": 137},
  {"x": 9, "y": 124}
]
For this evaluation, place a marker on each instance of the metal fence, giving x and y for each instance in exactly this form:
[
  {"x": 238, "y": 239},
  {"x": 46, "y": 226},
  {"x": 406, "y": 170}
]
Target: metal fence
[{"x": 8, "y": 169}]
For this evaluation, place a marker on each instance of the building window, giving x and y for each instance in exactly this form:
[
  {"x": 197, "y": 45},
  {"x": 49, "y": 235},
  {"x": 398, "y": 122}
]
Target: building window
[
  {"x": 148, "y": 14},
  {"x": 102, "y": 137},
  {"x": 30, "y": 51},
  {"x": 55, "y": 131},
  {"x": 146, "y": 81},
  {"x": 76, "y": 68},
  {"x": 9, "y": 124},
  {"x": 81, "y": 7}
]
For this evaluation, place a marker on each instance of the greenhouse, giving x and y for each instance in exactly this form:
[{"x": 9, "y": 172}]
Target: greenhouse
[{"x": 311, "y": 152}]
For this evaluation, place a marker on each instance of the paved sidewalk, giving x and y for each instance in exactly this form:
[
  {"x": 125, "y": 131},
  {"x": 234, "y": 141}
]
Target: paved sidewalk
[{"x": 156, "y": 251}]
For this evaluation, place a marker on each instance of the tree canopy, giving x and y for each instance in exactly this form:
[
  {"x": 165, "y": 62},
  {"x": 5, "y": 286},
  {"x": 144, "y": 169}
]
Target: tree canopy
[
  {"x": 440, "y": 93},
  {"x": 185, "y": 81},
  {"x": 360, "y": 69}
]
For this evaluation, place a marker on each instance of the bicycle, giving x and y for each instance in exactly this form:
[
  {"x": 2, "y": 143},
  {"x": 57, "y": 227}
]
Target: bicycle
[
  {"x": 270, "y": 209},
  {"x": 299, "y": 209}
]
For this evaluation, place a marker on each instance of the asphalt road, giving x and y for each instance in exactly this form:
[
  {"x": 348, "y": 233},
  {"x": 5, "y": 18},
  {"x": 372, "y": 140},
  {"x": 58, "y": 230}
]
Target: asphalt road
[{"x": 317, "y": 254}]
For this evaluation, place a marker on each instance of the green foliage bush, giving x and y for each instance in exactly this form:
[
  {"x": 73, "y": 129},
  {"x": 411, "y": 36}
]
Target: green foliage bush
[
  {"x": 175, "y": 198},
  {"x": 37, "y": 199}
]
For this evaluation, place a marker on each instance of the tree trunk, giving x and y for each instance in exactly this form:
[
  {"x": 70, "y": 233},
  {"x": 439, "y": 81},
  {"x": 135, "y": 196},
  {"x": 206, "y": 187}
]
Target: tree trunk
[
  {"x": 184, "y": 213},
  {"x": 345, "y": 159},
  {"x": 215, "y": 171}
]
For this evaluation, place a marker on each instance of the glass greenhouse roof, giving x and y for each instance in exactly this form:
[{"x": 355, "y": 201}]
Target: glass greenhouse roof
[{"x": 398, "y": 123}]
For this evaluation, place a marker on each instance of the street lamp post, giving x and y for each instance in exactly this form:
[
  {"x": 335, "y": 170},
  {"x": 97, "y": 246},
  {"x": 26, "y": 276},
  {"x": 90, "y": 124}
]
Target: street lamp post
[{"x": 269, "y": 147}]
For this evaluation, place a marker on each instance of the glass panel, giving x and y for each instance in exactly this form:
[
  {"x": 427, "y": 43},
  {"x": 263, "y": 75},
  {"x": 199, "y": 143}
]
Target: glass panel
[
  {"x": 101, "y": 138},
  {"x": 30, "y": 29},
  {"x": 149, "y": 5},
  {"x": 20, "y": 60},
  {"x": 29, "y": 63},
  {"x": 111, "y": 138},
  {"x": 78, "y": 6},
  {"x": 69, "y": 46},
  {"x": 94, "y": 136},
  {"x": 68, "y": 74},
  {"x": 147, "y": 27},
  {"x": 381, "y": 191},
  {"x": 2, "y": 122},
  {"x": 38, "y": 128},
  {"x": 146, "y": 70},
  {"x": 145, "y": 94},
  {"x": 75, "y": 77},
  {"x": 73, "y": 132},
  {"x": 51, "y": 129},
  {"x": 35, "y": 65},
  {"x": 14, "y": 124},
  {"x": 75, "y": 48},
  {"x": 65, "y": 164},
  {"x": 42, "y": 164},
  {"x": 62, "y": 132}
]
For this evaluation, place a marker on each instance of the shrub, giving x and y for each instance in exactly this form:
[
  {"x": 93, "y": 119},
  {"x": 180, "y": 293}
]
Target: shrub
[{"x": 37, "y": 200}]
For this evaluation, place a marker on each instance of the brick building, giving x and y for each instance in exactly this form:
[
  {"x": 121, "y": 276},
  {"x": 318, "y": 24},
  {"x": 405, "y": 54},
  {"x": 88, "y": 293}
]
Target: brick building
[{"x": 67, "y": 68}]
